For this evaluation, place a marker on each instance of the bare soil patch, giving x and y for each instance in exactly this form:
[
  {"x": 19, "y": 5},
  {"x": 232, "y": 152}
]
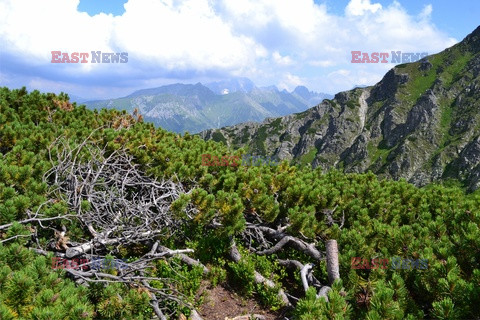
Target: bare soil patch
[{"x": 221, "y": 303}]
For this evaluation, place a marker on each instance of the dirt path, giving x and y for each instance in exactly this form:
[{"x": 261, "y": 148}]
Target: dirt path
[{"x": 220, "y": 303}]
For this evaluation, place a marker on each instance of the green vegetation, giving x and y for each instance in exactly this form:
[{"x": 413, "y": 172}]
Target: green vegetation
[
  {"x": 311, "y": 130},
  {"x": 308, "y": 157},
  {"x": 301, "y": 115},
  {"x": 419, "y": 81},
  {"x": 456, "y": 64},
  {"x": 243, "y": 137},
  {"x": 352, "y": 105},
  {"x": 259, "y": 139},
  {"x": 218, "y": 137},
  {"x": 285, "y": 137},
  {"x": 373, "y": 219},
  {"x": 276, "y": 125},
  {"x": 446, "y": 118},
  {"x": 447, "y": 67},
  {"x": 378, "y": 153}
]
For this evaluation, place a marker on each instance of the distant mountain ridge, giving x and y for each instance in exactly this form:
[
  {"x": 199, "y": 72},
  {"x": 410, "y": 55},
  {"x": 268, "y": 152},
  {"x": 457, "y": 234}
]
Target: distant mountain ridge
[
  {"x": 421, "y": 122},
  {"x": 77, "y": 99},
  {"x": 232, "y": 85},
  {"x": 196, "y": 107}
]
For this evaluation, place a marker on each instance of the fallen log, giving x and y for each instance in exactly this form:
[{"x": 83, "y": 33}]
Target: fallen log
[{"x": 332, "y": 261}]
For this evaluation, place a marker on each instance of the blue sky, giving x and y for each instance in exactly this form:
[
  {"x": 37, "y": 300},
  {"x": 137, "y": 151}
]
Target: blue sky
[
  {"x": 93, "y": 7},
  {"x": 273, "y": 42}
]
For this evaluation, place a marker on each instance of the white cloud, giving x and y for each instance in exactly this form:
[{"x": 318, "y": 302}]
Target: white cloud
[
  {"x": 59, "y": 27},
  {"x": 187, "y": 34},
  {"x": 321, "y": 63},
  {"x": 290, "y": 81},
  {"x": 360, "y": 7},
  {"x": 281, "y": 60},
  {"x": 186, "y": 39},
  {"x": 426, "y": 12}
]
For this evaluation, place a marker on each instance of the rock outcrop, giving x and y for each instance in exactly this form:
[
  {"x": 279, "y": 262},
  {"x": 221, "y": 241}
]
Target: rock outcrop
[{"x": 421, "y": 122}]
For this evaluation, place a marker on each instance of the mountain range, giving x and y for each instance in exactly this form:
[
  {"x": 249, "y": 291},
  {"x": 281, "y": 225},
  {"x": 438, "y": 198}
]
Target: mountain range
[
  {"x": 196, "y": 107},
  {"x": 421, "y": 122}
]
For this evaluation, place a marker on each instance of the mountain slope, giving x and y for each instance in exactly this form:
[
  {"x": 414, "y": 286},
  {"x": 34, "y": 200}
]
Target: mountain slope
[
  {"x": 149, "y": 196},
  {"x": 193, "y": 108},
  {"x": 421, "y": 122}
]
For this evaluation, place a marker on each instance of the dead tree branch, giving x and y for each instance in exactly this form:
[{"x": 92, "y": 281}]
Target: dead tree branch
[
  {"x": 8, "y": 225},
  {"x": 292, "y": 264},
  {"x": 112, "y": 197},
  {"x": 183, "y": 257},
  {"x": 332, "y": 261},
  {"x": 236, "y": 256},
  {"x": 307, "y": 276},
  {"x": 284, "y": 239},
  {"x": 119, "y": 205}
]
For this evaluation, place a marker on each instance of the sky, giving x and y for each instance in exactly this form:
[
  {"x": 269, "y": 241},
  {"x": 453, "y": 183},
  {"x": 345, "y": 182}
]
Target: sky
[{"x": 272, "y": 42}]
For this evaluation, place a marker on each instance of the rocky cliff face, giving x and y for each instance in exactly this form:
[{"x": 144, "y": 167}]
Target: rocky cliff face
[{"x": 421, "y": 122}]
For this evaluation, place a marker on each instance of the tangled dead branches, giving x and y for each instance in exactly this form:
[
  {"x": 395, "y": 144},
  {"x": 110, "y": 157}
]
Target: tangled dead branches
[
  {"x": 119, "y": 205},
  {"x": 111, "y": 196},
  {"x": 267, "y": 239}
]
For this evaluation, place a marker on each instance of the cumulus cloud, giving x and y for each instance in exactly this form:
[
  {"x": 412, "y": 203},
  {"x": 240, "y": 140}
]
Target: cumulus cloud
[
  {"x": 281, "y": 60},
  {"x": 362, "y": 75},
  {"x": 281, "y": 42},
  {"x": 360, "y": 7},
  {"x": 290, "y": 82},
  {"x": 426, "y": 12},
  {"x": 181, "y": 34}
]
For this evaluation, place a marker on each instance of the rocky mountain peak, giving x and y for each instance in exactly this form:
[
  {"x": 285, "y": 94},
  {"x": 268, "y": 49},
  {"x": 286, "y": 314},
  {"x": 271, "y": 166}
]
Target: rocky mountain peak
[{"x": 421, "y": 122}]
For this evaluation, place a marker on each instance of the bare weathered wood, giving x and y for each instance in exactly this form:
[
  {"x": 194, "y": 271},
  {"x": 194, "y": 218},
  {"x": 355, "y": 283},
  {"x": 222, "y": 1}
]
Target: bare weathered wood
[
  {"x": 29, "y": 220},
  {"x": 333, "y": 269},
  {"x": 119, "y": 205},
  {"x": 306, "y": 276},
  {"x": 284, "y": 239},
  {"x": 164, "y": 251},
  {"x": 154, "y": 304},
  {"x": 260, "y": 279},
  {"x": 303, "y": 275},
  {"x": 194, "y": 315},
  {"x": 16, "y": 237},
  {"x": 125, "y": 205},
  {"x": 289, "y": 263},
  {"x": 323, "y": 292},
  {"x": 234, "y": 253}
]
